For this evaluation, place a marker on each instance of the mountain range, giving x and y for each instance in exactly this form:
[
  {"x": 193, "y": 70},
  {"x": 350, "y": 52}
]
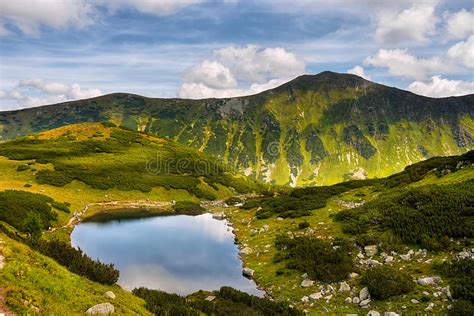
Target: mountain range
[{"x": 314, "y": 130}]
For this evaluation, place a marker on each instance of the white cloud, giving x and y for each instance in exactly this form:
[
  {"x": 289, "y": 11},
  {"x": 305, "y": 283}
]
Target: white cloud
[
  {"x": 359, "y": 71},
  {"x": 212, "y": 74},
  {"x": 254, "y": 63},
  {"x": 200, "y": 91},
  {"x": 34, "y": 92},
  {"x": 401, "y": 63},
  {"x": 464, "y": 52},
  {"x": 29, "y": 15},
  {"x": 156, "y": 7},
  {"x": 240, "y": 71},
  {"x": 439, "y": 87},
  {"x": 460, "y": 24},
  {"x": 415, "y": 23}
]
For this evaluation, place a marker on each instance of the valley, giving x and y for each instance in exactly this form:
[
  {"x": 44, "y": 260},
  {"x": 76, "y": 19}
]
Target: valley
[{"x": 267, "y": 223}]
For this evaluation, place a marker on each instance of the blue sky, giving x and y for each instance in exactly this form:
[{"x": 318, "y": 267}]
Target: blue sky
[{"x": 59, "y": 50}]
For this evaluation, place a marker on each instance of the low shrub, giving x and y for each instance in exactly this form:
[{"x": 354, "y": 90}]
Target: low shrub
[
  {"x": 77, "y": 262},
  {"x": 61, "y": 206},
  {"x": 384, "y": 282},
  {"x": 303, "y": 225},
  {"x": 316, "y": 257},
  {"x": 22, "y": 167},
  {"x": 188, "y": 208}
]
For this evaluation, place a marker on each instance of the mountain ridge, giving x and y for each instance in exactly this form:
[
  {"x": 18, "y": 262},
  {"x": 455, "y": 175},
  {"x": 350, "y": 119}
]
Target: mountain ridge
[{"x": 314, "y": 130}]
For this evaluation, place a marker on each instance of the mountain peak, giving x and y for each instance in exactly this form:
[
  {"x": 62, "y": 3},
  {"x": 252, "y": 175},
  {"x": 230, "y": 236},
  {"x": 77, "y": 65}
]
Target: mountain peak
[{"x": 325, "y": 80}]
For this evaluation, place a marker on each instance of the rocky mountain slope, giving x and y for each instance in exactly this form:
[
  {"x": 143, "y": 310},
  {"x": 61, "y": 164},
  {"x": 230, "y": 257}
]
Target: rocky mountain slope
[{"x": 315, "y": 130}]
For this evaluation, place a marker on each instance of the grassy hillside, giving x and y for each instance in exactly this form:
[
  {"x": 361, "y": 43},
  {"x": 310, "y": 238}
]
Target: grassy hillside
[
  {"x": 314, "y": 130},
  {"x": 427, "y": 206}
]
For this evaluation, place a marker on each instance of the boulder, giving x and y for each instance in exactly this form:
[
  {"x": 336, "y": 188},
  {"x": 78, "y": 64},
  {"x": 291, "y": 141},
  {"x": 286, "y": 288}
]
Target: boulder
[
  {"x": 307, "y": 283},
  {"x": 353, "y": 275},
  {"x": 344, "y": 287},
  {"x": 373, "y": 313},
  {"x": 356, "y": 300},
  {"x": 364, "y": 294},
  {"x": 370, "y": 250},
  {"x": 364, "y": 303},
  {"x": 210, "y": 298},
  {"x": 218, "y": 215},
  {"x": 247, "y": 272},
  {"x": 389, "y": 259},
  {"x": 101, "y": 309},
  {"x": 429, "y": 307},
  {"x": 109, "y": 294},
  {"x": 428, "y": 281},
  {"x": 414, "y": 301},
  {"x": 348, "y": 300},
  {"x": 315, "y": 296},
  {"x": 246, "y": 251},
  {"x": 305, "y": 299}
]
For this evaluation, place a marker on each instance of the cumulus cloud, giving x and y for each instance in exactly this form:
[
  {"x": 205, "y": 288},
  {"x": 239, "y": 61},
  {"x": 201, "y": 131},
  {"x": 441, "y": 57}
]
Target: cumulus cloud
[
  {"x": 359, "y": 71},
  {"x": 29, "y": 15},
  {"x": 212, "y": 74},
  {"x": 255, "y": 63},
  {"x": 460, "y": 24},
  {"x": 401, "y": 63},
  {"x": 240, "y": 71},
  {"x": 464, "y": 52},
  {"x": 439, "y": 87},
  {"x": 417, "y": 23},
  {"x": 34, "y": 92}
]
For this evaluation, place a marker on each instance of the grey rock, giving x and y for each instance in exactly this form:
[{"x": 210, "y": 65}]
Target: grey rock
[
  {"x": 364, "y": 294},
  {"x": 246, "y": 251},
  {"x": 389, "y": 259},
  {"x": 414, "y": 301},
  {"x": 315, "y": 296},
  {"x": 353, "y": 275},
  {"x": 364, "y": 303},
  {"x": 247, "y": 272},
  {"x": 344, "y": 287},
  {"x": 373, "y": 313},
  {"x": 370, "y": 250},
  {"x": 101, "y": 309},
  {"x": 110, "y": 294},
  {"x": 307, "y": 283},
  {"x": 390, "y": 314},
  {"x": 218, "y": 215},
  {"x": 210, "y": 298},
  {"x": 428, "y": 281},
  {"x": 305, "y": 299},
  {"x": 429, "y": 307},
  {"x": 348, "y": 300},
  {"x": 356, "y": 300}
]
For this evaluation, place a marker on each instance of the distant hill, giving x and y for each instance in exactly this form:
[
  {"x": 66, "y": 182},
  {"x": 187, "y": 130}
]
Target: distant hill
[{"x": 314, "y": 130}]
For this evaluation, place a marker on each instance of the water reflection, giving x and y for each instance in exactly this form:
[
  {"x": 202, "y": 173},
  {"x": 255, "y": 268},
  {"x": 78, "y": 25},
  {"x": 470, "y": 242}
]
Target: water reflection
[{"x": 180, "y": 254}]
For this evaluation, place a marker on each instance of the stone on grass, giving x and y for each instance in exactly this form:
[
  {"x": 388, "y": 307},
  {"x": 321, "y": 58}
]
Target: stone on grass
[
  {"x": 101, "y": 309},
  {"x": 315, "y": 296},
  {"x": 246, "y": 251},
  {"x": 307, "y": 283},
  {"x": 109, "y": 294},
  {"x": 428, "y": 281},
  {"x": 364, "y": 294},
  {"x": 210, "y": 298},
  {"x": 344, "y": 287},
  {"x": 247, "y": 272},
  {"x": 348, "y": 300},
  {"x": 373, "y": 313},
  {"x": 370, "y": 250}
]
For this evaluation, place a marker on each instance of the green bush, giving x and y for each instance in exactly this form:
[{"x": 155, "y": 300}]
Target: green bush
[
  {"x": 427, "y": 216},
  {"x": 16, "y": 205},
  {"x": 316, "y": 257},
  {"x": 77, "y": 262},
  {"x": 461, "y": 277},
  {"x": 228, "y": 302},
  {"x": 303, "y": 225},
  {"x": 22, "y": 167},
  {"x": 188, "y": 208},
  {"x": 61, "y": 206},
  {"x": 384, "y": 282}
]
